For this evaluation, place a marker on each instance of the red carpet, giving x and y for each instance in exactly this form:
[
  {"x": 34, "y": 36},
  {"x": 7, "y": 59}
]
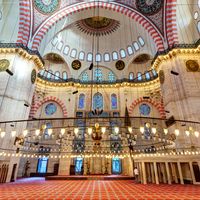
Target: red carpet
[{"x": 39, "y": 189}]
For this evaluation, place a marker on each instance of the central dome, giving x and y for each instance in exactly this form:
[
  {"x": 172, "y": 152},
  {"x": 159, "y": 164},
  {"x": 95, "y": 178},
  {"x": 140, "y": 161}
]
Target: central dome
[{"x": 98, "y": 25}]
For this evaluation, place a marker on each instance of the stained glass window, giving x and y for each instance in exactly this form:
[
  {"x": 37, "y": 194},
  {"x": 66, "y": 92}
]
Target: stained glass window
[
  {"x": 144, "y": 109},
  {"x": 106, "y": 57},
  {"x": 85, "y": 76},
  {"x": 114, "y": 101},
  {"x": 50, "y": 109},
  {"x": 116, "y": 166},
  {"x": 154, "y": 72},
  {"x": 78, "y": 165},
  {"x": 98, "y": 75},
  {"x": 49, "y": 74},
  {"x": 42, "y": 165},
  {"x": 98, "y": 101},
  {"x": 131, "y": 76},
  {"x": 115, "y": 55},
  {"x": 147, "y": 75},
  {"x": 122, "y": 53},
  {"x": 81, "y": 101},
  {"x": 111, "y": 77},
  {"x": 139, "y": 76},
  {"x": 57, "y": 75},
  {"x": 81, "y": 55}
]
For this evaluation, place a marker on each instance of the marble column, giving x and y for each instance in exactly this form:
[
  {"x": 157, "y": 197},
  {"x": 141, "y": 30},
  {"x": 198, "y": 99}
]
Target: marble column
[
  {"x": 156, "y": 172},
  {"x": 168, "y": 173},
  {"x": 174, "y": 174},
  {"x": 144, "y": 180},
  {"x": 192, "y": 173},
  {"x": 180, "y": 173},
  {"x": 152, "y": 173},
  {"x": 163, "y": 171}
]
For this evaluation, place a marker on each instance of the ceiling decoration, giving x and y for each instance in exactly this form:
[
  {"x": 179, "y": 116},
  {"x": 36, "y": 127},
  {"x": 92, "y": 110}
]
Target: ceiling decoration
[
  {"x": 149, "y": 7},
  {"x": 46, "y": 6},
  {"x": 192, "y": 65},
  {"x": 120, "y": 65},
  {"x": 98, "y": 25},
  {"x": 54, "y": 58},
  {"x": 76, "y": 64}
]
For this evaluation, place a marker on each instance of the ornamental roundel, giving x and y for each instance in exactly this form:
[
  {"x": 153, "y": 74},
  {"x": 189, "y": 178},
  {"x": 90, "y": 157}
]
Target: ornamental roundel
[
  {"x": 4, "y": 64},
  {"x": 161, "y": 75},
  {"x": 76, "y": 64},
  {"x": 120, "y": 65},
  {"x": 33, "y": 76},
  {"x": 192, "y": 66},
  {"x": 46, "y": 6},
  {"x": 149, "y": 7},
  {"x": 50, "y": 109},
  {"x": 144, "y": 109}
]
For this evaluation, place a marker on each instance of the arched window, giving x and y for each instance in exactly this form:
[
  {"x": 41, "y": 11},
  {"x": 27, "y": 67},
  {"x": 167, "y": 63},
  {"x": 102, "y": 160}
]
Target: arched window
[
  {"x": 66, "y": 50},
  {"x": 78, "y": 165},
  {"x": 81, "y": 55},
  {"x": 111, "y": 76},
  {"x": 57, "y": 75},
  {"x": 85, "y": 77},
  {"x": 49, "y": 74},
  {"x": 106, "y": 57},
  {"x": 131, "y": 76},
  {"x": 141, "y": 41},
  {"x": 42, "y": 72},
  {"x": 81, "y": 102},
  {"x": 123, "y": 53},
  {"x": 64, "y": 75},
  {"x": 147, "y": 76},
  {"x": 139, "y": 76},
  {"x": 114, "y": 101},
  {"x": 98, "y": 75},
  {"x": 89, "y": 57},
  {"x": 73, "y": 53},
  {"x": 98, "y": 101},
  {"x": 115, "y": 55},
  {"x": 136, "y": 46},
  {"x": 198, "y": 26},
  {"x": 130, "y": 50},
  {"x": 154, "y": 72},
  {"x": 98, "y": 57}
]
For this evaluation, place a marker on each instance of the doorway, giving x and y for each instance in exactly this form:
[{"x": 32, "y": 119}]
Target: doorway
[{"x": 13, "y": 173}]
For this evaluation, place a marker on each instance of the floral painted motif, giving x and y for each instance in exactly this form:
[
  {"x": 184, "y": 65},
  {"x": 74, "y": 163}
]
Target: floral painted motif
[{"x": 46, "y": 6}]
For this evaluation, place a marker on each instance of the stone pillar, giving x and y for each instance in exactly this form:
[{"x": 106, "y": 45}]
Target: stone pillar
[
  {"x": 163, "y": 171},
  {"x": 152, "y": 173},
  {"x": 180, "y": 173},
  {"x": 168, "y": 173},
  {"x": 148, "y": 172},
  {"x": 192, "y": 173},
  {"x": 174, "y": 174},
  {"x": 156, "y": 172},
  {"x": 144, "y": 180}
]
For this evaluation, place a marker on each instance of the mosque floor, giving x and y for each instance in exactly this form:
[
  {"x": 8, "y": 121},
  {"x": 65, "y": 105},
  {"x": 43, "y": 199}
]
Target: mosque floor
[{"x": 39, "y": 189}]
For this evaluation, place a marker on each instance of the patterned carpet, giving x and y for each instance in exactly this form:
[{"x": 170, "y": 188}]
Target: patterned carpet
[{"x": 39, "y": 189}]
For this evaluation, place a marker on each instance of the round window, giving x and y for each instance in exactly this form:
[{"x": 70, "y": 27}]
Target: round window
[
  {"x": 144, "y": 109},
  {"x": 50, "y": 109}
]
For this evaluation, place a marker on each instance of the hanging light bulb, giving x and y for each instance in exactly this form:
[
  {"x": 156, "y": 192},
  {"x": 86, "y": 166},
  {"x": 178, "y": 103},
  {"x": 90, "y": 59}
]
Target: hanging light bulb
[
  {"x": 187, "y": 132},
  {"x": 89, "y": 130},
  {"x": 62, "y": 131},
  {"x": 141, "y": 129},
  {"x": 165, "y": 131},
  {"x": 103, "y": 129},
  {"x": 153, "y": 130},
  {"x": 116, "y": 130},
  {"x": 50, "y": 131},
  {"x": 196, "y": 133},
  {"x": 130, "y": 129},
  {"x": 3, "y": 134},
  {"x": 177, "y": 132},
  {"x": 37, "y": 132},
  {"x": 25, "y": 132},
  {"x": 13, "y": 133},
  {"x": 76, "y": 131}
]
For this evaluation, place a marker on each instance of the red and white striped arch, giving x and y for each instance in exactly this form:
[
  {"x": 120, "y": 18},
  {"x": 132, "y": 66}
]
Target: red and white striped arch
[
  {"x": 171, "y": 23},
  {"x": 138, "y": 17},
  {"x": 24, "y": 22},
  {"x": 158, "y": 105},
  {"x": 37, "y": 104}
]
